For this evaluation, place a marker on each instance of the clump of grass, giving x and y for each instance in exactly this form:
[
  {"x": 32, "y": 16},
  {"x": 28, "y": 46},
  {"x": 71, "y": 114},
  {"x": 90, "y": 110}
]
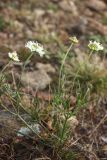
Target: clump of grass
[{"x": 88, "y": 74}]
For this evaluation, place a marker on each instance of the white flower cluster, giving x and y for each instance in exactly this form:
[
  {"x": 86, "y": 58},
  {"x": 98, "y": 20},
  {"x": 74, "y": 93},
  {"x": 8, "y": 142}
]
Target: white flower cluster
[
  {"x": 35, "y": 46},
  {"x": 74, "y": 39},
  {"x": 13, "y": 56},
  {"x": 95, "y": 46}
]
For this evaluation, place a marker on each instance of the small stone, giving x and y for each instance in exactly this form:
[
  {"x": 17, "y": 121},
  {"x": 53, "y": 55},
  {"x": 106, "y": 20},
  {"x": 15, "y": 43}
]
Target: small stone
[
  {"x": 46, "y": 67},
  {"x": 97, "y": 5},
  {"x": 38, "y": 13},
  {"x": 69, "y": 6},
  {"x": 88, "y": 12},
  {"x": 25, "y": 131},
  {"x": 37, "y": 80},
  {"x": 65, "y": 6}
]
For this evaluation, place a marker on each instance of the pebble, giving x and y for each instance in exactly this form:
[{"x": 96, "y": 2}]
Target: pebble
[{"x": 97, "y": 5}]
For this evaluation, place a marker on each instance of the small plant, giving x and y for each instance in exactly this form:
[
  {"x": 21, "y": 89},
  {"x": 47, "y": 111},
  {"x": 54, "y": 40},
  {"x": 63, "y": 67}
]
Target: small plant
[
  {"x": 82, "y": 76},
  {"x": 88, "y": 72}
]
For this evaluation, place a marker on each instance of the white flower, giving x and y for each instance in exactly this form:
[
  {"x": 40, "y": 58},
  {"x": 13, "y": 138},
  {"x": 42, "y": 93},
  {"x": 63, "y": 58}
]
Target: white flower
[
  {"x": 35, "y": 46},
  {"x": 74, "y": 39},
  {"x": 13, "y": 56},
  {"x": 95, "y": 46}
]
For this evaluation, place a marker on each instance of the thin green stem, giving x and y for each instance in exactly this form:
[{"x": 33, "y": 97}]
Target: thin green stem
[
  {"x": 63, "y": 129},
  {"x": 7, "y": 108},
  {"x": 62, "y": 65},
  {"x": 1, "y": 73},
  {"x": 6, "y": 66},
  {"x": 27, "y": 60},
  {"x": 90, "y": 54}
]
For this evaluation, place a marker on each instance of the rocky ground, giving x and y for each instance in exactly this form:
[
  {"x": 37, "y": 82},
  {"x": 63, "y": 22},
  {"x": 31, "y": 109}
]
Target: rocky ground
[{"x": 51, "y": 22}]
